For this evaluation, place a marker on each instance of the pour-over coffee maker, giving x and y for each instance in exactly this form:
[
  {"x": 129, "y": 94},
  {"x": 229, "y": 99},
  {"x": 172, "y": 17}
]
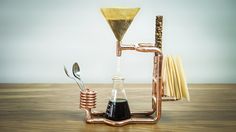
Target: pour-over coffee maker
[{"x": 118, "y": 112}]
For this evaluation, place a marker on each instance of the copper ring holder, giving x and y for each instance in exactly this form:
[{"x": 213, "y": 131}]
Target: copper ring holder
[{"x": 88, "y": 97}]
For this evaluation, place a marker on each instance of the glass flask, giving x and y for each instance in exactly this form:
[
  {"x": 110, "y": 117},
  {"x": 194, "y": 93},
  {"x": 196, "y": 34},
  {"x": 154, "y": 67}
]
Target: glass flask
[{"x": 118, "y": 107}]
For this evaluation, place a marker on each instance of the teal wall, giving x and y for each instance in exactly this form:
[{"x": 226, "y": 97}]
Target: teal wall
[{"x": 38, "y": 37}]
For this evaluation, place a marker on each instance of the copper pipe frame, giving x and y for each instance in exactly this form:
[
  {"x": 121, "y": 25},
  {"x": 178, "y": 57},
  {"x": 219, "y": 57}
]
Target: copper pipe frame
[{"x": 88, "y": 97}]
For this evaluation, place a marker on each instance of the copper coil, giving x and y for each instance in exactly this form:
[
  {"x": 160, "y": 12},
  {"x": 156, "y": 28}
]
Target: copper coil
[
  {"x": 87, "y": 96},
  {"x": 88, "y": 99}
]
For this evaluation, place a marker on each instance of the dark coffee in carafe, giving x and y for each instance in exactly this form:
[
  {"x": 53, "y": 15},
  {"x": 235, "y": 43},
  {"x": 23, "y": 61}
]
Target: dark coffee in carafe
[{"x": 118, "y": 110}]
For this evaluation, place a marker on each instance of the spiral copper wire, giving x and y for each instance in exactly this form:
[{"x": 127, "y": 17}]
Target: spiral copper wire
[{"x": 87, "y": 99}]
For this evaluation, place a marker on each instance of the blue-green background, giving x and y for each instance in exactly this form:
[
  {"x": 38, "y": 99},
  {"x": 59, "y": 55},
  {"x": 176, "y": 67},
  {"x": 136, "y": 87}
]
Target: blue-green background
[{"x": 38, "y": 37}]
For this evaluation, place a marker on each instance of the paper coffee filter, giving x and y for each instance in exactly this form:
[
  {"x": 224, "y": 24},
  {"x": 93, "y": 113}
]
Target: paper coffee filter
[
  {"x": 119, "y": 13},
  {"x": 119, "y": 19}
]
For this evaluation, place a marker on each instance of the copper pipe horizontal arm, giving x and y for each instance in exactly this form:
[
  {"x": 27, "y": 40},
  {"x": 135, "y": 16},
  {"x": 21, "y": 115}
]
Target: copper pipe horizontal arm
[
  {"x": 148, "y": 49},
  {"x": 146, "y": 45},
  {"x": 142, "y": 47},
  {"x": 127, "y": 47}
]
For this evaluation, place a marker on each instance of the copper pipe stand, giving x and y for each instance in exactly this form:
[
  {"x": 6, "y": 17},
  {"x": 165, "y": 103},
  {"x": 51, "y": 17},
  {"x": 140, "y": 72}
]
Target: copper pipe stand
[{"x": 88, "y": 97}]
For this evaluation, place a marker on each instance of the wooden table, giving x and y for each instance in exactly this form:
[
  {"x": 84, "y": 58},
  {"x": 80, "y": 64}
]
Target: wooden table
[{"x": 55, "y": 108}]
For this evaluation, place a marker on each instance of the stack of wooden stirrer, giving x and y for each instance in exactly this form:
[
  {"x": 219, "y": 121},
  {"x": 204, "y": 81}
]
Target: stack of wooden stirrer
[{"x": 174, "y": 80}]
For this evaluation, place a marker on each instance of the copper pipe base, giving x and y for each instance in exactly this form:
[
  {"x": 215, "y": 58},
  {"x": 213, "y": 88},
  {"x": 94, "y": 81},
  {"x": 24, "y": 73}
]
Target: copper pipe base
[{"x": 98, "y": 117}]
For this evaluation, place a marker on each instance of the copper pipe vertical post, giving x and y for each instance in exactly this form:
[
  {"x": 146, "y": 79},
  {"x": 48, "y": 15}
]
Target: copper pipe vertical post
[{"x": 158, "y": 37}]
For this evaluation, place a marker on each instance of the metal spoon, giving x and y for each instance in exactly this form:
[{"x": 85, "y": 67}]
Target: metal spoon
[
  {"x": 76, "y": 73},
  {"x": 67, "y": 74},
  {"x": 76, "y": 70}
]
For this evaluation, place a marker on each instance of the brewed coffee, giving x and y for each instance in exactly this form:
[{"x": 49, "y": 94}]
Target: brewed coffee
[{"x": 118, "y": 110}]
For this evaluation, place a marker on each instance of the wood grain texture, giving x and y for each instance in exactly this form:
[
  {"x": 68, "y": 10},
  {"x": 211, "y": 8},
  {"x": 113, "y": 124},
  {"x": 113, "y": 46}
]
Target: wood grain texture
[{"x": 55, "y": 107}]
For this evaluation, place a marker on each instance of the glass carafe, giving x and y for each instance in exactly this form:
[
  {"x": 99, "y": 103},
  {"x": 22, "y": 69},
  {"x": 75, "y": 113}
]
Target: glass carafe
[{"x": 118, "y": 107}]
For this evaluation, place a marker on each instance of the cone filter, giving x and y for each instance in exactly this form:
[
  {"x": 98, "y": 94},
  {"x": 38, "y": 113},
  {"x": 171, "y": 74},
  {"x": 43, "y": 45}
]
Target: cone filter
[{"x": 119, "y": 19}]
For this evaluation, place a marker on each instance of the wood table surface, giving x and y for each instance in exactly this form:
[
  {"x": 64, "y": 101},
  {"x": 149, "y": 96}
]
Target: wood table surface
[{"x": 55, "y": 108}]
